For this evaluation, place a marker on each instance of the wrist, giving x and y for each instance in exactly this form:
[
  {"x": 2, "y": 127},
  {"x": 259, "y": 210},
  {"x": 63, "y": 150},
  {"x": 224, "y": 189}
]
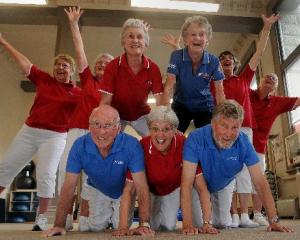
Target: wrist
[
  {"x": 274, "y": 219},
  {"x": 145, "y": 224}
]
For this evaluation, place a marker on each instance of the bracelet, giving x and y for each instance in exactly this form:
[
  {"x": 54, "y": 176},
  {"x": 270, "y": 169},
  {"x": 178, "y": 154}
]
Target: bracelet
[
  {"x": 274, "y": 219},
  {"x": 145, "y": 224},
  {"x": 207, "y": 222}
]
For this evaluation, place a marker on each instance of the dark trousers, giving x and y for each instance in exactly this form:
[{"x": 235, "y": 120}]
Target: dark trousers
[{"x": 185, "y": 117}]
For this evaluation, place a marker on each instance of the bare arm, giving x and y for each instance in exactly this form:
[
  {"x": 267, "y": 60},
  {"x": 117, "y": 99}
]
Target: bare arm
[
  {"x": 263, "y": 189},
  {"x": 262, "y": 43},
  {"x": 143, "y": 197},
  {"x": 158, "y": 99},
  {"x": 64, "y": 204},
  {"x": 187, "y": 180},
  {"x": 105, "y": 99},
  {"x": 168, "y": 89},
  {"x": 125, "y": 206},
  {"x": 20, "y": 59},
  {"x": 204, "y": 196},
  {"x": 220, "y": 96},
  {"x": 74, "y": 14},
  {"x": 297, "y": 103}
]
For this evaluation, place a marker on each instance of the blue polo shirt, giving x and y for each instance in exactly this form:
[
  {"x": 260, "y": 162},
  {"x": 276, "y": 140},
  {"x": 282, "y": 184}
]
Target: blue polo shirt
[
  {"x": 193, "y": 90},
  {"x": 107, "y": 175},
  {"x": 219, "y": 166}
]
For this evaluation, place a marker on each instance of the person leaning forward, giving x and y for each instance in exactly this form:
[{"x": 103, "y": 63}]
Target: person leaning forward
[{"x": 104, "y": 154}]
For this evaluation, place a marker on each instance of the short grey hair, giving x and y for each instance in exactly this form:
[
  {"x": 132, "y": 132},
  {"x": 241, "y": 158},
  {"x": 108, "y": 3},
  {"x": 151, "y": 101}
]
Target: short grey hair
[
  {"x": 229, "y": 109},
  {"x": 106, "y": 55},
  {"x": 135, "y": 23},
  {"x": 163, "y": 113},
  {"x": 198, "y": 20}
]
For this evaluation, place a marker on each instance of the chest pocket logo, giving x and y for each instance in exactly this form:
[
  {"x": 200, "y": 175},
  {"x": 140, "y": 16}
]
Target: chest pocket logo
[
  {"x": 118, "y": 162},
  {"x": 232, "y": 158},
  {"x": 206, "y": 76}
]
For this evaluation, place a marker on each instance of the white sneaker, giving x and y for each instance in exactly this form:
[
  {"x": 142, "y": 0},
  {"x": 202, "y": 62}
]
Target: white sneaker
[
  {"x": 41, "y": 223},
  {"x": 83, "y": 225},
  {"x": 235, "y": 221},
  {"x": 260, "y": 219},
  {"x": 69, "y": 223},
  {"x": 246, "y": 222}
]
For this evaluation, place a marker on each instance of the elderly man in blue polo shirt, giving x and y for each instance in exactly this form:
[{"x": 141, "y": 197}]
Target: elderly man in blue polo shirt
[
  {"x": 221, "y": 150},
  {"x": 104, "y": 154}
]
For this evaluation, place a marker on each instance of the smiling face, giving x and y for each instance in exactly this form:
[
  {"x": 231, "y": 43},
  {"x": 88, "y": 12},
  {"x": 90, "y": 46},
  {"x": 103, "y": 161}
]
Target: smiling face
[
  {"x": 104, "y": 125},
  {"x": 225, "y": 131},
  {"x": 100, "y": 65},
  {"x": 161, "y": 134},
  {"x": 228, "y": 64},
  {"x": 62, "y": 70},
  {"x": 269, "y": 83},
  {"x": 195, "y": 38},
  {"x": 133, "y": 41}
]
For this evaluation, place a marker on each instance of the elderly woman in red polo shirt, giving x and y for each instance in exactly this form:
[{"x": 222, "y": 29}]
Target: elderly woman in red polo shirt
[
  {"x": 129, "y": 78},
  {"x": 163, "y": 163},
  {"x": 45, "y": 130}
]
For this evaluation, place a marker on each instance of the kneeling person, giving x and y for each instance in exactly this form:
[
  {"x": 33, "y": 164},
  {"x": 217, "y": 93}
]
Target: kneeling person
[
  {"x": 163, "y": 163},
  {"x": 221, "y": 150},
  {"x": 104, "y": 154}
]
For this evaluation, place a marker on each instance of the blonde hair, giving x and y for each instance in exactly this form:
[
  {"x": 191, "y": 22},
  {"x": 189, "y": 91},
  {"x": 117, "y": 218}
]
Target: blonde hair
[{"x": 68, "y": 59}]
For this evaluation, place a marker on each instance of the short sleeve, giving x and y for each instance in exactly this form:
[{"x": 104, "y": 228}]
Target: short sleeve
[{"x": 74, "y": 159}]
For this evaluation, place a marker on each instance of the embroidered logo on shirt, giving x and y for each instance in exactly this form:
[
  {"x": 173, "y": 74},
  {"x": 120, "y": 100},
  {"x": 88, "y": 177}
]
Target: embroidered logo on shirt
[
  {"x": 172, "y": 66},
  {"x": 119, "y": 162},
  {"x": 204, "y": 75},
  {"x": 234, "y": 158}
]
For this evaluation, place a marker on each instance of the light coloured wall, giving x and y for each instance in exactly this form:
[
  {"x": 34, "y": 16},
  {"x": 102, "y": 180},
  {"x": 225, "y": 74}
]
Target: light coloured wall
[{"x": 38, "y": 44}]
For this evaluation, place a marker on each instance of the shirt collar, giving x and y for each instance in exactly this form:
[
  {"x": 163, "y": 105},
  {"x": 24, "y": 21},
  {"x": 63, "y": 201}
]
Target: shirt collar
[
  {"x": 186, "y": 57},
  {"x": 123, "y": 61}
]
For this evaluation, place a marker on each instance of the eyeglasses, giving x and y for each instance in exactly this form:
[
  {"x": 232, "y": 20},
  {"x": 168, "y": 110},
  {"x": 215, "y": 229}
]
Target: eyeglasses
[
  {"x": 164, "y": 130},
  {"x": 106, "y": 126},
  {"x": 62, "y": 65}
]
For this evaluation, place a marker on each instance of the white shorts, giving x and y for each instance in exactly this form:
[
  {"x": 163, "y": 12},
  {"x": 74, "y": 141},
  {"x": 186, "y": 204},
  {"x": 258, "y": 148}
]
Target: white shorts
[
  {"x": 103, "y": 210},
  {"x": 243, "y": 178},
  {"x": 72, "y": 135},
  {"x": 48, "y": 147},
  {"x": 221, "y": 203},
  {"x": 164, "y": 210},
  {"x": 140, "y": 125}
]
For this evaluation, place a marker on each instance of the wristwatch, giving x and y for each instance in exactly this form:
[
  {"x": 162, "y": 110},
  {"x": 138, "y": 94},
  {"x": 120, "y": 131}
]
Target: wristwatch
[
  {"x": 145, "y": 224},
  {"x": 274, "y": 219},
  {"x": 207, "y": 222}
]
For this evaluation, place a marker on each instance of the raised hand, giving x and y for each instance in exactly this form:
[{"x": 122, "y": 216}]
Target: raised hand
[
  {"x": 172, "y": 41},
  {"x": 74, "y": 14},
  {"x": 268, "y": 21}
]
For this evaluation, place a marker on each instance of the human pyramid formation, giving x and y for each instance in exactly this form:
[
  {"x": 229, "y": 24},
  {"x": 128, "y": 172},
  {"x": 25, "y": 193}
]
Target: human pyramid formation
[{"x": 81, "y": 130}]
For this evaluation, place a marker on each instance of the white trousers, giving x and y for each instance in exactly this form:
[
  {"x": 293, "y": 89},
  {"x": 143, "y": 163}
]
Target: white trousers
[
  {"x": 221, "y": 203},
  {"x": 140, "y": 125},
  {"x": 48, "y": 147},
  {"x": 164, "y": 210},
  {"x": 103, "y": 210},
  {"x": 243, "y": 178},
  {"x": 72, "y": 135}
]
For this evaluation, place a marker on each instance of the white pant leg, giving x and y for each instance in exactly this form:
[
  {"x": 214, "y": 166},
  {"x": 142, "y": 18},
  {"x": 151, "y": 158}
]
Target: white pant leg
[
  {"x": 49, "y": 153},
  {"x": 169, "y": 205},
  {"x": 140, "y": 126},
  {"x": 102, "y": 210},
  {"x": 18, "y": 155},
  {"x": 221, "y": 203},
  {"x": 72, "y": 135},
  {"x": 197, "y": 210},
  {"x": 243, "y": 178},
  {"x": 155, "y": 214}
]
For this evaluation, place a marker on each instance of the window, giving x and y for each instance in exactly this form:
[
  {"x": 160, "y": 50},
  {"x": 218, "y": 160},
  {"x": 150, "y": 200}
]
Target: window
[{"x": 289, "y": 40}]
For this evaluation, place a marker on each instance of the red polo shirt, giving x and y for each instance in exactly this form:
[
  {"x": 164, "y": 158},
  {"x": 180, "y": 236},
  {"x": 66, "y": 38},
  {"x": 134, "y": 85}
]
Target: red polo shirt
[
  {"x": 265, "y": 113},
  {"x": 129, "y": 91},
  {"x": 54, "y": 102},
  {"x": 89, "y": 100}
]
